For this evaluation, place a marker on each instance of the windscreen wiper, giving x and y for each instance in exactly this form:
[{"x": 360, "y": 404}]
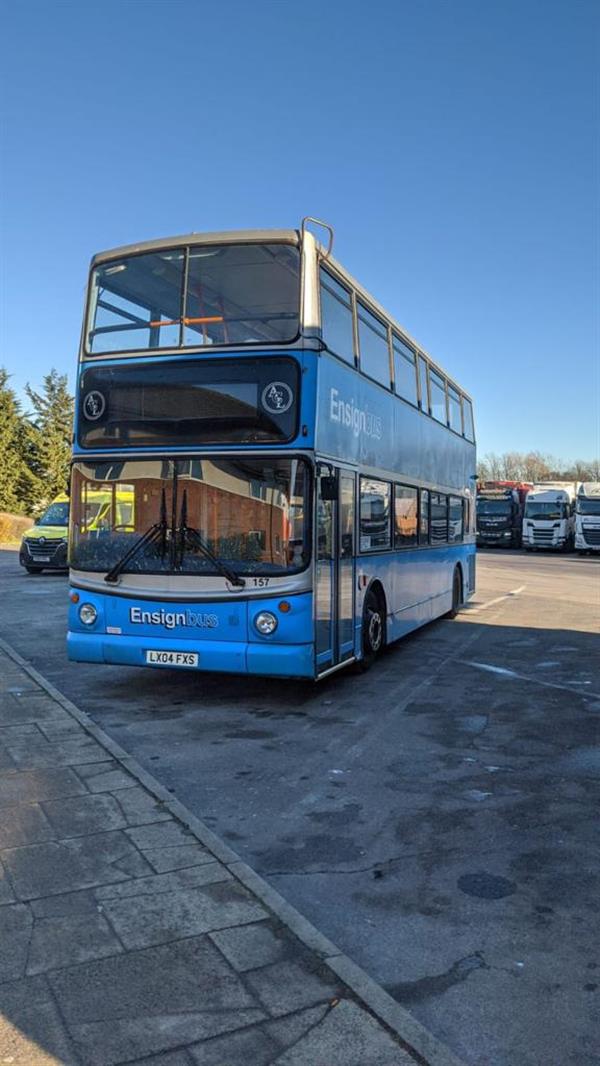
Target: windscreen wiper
[
  {"x": 155, "y": 532},
  {"x": 185, "y": 532}
]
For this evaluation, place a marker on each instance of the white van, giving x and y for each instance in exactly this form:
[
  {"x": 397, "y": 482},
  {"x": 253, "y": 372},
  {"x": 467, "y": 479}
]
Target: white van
[
  {"x": 587, "y": 518},
  {"x": 549, "y": 517}
]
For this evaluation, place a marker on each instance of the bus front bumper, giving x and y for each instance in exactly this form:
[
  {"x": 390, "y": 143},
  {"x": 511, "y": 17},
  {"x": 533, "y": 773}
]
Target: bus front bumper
[{"x": 265, "y": 659}]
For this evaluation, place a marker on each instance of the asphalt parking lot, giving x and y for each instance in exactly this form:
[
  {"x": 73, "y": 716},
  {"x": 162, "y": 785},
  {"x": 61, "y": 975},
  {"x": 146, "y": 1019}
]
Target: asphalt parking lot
[{"x": 434, "y": 817}]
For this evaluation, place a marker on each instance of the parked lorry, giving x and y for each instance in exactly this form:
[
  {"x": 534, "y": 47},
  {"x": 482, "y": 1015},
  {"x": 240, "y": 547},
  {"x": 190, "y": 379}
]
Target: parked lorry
[
  {"x": 500, "y": 513},
  {"x": 587, "y": 518},
  {"x": 549, "y": 518}
]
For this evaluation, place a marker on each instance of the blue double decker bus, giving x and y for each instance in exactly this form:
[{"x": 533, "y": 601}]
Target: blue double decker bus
[{"x": 270, "y": 476}]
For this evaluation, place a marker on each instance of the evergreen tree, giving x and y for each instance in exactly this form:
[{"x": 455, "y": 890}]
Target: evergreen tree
[
  {"x": 18, "y": 488},
  {"x": 50, "y": 441}
]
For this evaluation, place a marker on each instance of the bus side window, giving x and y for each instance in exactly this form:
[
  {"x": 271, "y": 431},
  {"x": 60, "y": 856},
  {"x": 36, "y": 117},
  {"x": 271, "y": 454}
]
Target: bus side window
[
  {"x": 454, "y": 416},
  {"x": 439, "y": 518},
  {"x": 455, "y": 519},
  {"x": 375, "y": 514},
  {"x": 336, "y": 318},
  {"x": 405, "y": 373},
  {"x": 437, "y": 393},
  {"x": 374, "y": 349},
  {"x": 468, "y": 419},
  {"x": 424, "y": 517},
  {"x": 423, "y": 391},
  {"x": 405, "y": 516}
]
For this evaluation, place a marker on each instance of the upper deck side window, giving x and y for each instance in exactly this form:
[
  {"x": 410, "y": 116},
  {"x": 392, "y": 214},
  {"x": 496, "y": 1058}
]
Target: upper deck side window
[
  {"x": 405, "y": 372},
  {"x": 199, "y": 296},
  {"x": 454, "y": 410},
  {"x": 469, "y": 429},
  {"x": 373, "y": 346},
  {"x": 437, "y": 397},
  {"x": 337, "y": 317}
]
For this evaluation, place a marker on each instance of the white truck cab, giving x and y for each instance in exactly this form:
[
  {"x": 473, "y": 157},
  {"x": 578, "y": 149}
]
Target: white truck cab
[
  {"x": 549, "y": 517},
  {"x": 587, "y": 517}
]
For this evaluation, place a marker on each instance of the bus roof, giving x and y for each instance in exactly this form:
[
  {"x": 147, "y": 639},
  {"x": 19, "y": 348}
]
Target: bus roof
[{"x": 289, "y": 236}]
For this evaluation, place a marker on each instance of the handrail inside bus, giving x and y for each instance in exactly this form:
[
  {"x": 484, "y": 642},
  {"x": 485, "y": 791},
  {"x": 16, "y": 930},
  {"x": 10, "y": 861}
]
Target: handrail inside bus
[{"x": 325, "y": 225}]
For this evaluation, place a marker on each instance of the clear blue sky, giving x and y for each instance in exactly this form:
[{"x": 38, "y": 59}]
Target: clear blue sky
[{"x": 450, "y": 143}]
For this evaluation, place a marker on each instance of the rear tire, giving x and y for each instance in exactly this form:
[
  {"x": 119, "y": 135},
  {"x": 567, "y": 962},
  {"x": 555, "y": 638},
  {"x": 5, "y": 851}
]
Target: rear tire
[
  {"x": 456, "y": 595},
  {"x": 373, "y": 630},
  {"x": 34, "y": 569}
]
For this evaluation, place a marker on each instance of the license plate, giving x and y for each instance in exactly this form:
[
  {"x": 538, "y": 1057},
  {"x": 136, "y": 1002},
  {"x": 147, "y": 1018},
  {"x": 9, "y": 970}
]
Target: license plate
[
  {"x": 172, "y": 658},
  {"x": 41, "y": 558}
]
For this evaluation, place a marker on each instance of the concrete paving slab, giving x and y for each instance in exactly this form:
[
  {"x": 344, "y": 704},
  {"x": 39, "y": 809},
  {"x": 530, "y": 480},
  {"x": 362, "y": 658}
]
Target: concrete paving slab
[
  {"x": 25, "y": 824},
  {"x": 104, "y": 777},
  {"x": 139, "y": 807},
  {"x": 31, "y": 1030},
  {"x": 32, "y": 752},
  {"x": 83, "y": 815},
  {"x": 6, "y": 893},
  {"x": 16, "y": 922},
  {"x": 83, "y": 862},
  {"x": 345, "y": 1036},
  {"x": 288, "y": 1029},
  {"x": 178, "y": 857},
  {"x": 249, "y": 947},
  {"x": 64, "y": 941},
  {"x": 65, "y": 905},
  {"x": 144, "y": 920},
  {"x": 292, "y": 985},
  {"x": 253, "y": 1046},
  {"x": 148, "y": 1001},
  {"x": 193, "y": 877},
  {"x": 32, "y": 786},
  {"x": 167, "y": 834}
]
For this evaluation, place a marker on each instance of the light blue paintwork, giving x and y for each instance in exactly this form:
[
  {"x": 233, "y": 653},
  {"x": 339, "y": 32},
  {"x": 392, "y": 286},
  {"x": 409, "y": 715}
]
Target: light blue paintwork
[{"x": 364, "y": 427}]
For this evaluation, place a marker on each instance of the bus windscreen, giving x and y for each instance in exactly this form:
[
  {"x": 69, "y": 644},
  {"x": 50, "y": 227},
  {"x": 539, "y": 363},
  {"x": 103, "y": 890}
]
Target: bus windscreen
[{"x": 200, "y": 296}]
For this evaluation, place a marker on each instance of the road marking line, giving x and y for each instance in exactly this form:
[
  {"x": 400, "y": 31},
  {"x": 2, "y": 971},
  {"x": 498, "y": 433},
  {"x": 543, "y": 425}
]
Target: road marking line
[
  {"x": 498, "y": 599},
  {"x": 575, "y": 687}
]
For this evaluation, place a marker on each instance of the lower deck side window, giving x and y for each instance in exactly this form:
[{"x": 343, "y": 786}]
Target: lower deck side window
[
  {"x": 405, "y": 516},
  {"x": 439, "y": 518},
  {"x": 455, "y": 519},
  {"x": 375, "y": 514}
]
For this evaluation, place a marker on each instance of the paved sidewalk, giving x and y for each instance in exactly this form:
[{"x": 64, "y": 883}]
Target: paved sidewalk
[{"x": 130, "y": 934}]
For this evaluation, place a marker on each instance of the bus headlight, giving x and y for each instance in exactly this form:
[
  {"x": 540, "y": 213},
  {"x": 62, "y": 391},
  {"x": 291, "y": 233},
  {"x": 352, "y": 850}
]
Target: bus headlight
[
  {"x": 88, "y": 614},
  {"x": 266, "y": 623}
]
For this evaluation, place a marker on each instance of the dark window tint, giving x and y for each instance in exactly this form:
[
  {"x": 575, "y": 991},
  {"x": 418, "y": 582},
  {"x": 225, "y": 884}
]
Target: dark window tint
[
  {"x": 454, "y": 415},
  {"x": 242, "y": 294},
  {"x": 424, "y": 395},
  {"x": 375, "y": 499},
  {"x": 188, "y": 402},
  {"x": 468, "y": 419},
  {"x": 336, "y": 318},
  {"x": 455, "y": 519},
  {"x": 405, "y": 373},
  {"x": 373, "y": 344},
  {"x": 439, "y": 518},
  {"x": 437, "y": 394},
  {"x": 405, "y": 516},
  {"x": 424, "y": 517}
]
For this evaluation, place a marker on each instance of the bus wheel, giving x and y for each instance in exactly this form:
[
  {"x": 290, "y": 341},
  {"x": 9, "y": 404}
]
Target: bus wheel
[
  {"x": 456, "y": 595},
  {"x": 34, "y": 569},
  {"x": 373, "y": 629}
]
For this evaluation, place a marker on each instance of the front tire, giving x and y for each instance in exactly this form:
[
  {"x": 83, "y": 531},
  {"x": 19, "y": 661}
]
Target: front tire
[{"x": 373, "y": 629}]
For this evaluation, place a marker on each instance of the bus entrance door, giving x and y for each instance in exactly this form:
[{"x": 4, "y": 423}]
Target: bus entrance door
[{"x": 334, "y": 577}]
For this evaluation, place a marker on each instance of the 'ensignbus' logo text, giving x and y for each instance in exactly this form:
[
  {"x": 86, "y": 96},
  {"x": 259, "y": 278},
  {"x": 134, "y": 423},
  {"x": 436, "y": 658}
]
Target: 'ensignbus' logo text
[
  {"x": 171, "y": 619},
  {"x": 348, "y": 414}
]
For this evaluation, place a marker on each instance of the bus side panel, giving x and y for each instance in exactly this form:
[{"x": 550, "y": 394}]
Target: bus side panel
[{"x": 363, "y": 423}]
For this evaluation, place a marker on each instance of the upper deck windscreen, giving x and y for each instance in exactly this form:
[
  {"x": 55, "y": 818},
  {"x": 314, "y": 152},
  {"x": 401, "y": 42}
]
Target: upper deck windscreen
[{"x": 198, "y": 296}]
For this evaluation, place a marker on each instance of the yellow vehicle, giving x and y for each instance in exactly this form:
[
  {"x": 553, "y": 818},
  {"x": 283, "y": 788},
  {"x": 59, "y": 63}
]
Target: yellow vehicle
[{"x": 44, "y": 546}]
